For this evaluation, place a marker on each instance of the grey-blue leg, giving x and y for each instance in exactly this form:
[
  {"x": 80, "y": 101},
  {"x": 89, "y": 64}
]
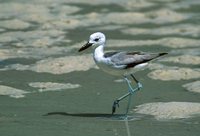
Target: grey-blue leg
[
  {"x": 130, "y": 92},
  {"x": 138, "y": 83}
]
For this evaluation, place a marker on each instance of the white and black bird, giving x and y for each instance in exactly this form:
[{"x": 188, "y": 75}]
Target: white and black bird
[{"x": 119, "y": 63}]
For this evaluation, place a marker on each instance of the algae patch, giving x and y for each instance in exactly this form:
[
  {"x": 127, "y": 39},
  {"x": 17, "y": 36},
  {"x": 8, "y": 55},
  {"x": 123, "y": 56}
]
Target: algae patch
[
  {"x": 169, "y": 110},
  {"x": 175, "y": 73},
  {"x": 193, "y": 86},
  {"x": 12, "y": 92},
  {"x": 50, "y": 86}
]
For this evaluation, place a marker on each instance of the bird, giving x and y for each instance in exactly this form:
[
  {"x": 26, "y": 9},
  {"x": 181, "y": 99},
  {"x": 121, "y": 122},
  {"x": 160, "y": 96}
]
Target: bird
[{"x": 119, "y": 63}]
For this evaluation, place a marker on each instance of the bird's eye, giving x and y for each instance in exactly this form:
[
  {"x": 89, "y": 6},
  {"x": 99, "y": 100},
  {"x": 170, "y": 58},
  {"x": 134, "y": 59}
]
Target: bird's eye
[{"x": 96, "y": 39}]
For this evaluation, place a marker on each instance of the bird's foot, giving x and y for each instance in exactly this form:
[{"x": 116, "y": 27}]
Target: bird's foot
[{"x": 115, "y": 104}]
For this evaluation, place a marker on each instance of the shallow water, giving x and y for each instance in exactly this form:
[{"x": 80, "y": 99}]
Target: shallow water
[{"x": 42, "y": 93}]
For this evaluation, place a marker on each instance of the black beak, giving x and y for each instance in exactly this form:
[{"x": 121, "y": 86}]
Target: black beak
[{"x": 87, "y": 45}]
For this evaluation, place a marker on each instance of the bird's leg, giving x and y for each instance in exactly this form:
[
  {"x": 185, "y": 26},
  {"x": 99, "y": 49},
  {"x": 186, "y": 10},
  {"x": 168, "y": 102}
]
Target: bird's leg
[
  {"x": 138, "y": 83},
  {"x": 131, "y": 91}
]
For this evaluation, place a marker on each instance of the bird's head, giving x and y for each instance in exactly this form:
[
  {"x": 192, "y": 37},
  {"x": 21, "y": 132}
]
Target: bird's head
[{"x": 95, "y": 40}]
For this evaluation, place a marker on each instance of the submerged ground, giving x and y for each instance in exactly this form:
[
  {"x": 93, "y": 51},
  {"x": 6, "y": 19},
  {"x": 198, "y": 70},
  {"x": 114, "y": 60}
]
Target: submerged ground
[{"x": 48, "y": 88}]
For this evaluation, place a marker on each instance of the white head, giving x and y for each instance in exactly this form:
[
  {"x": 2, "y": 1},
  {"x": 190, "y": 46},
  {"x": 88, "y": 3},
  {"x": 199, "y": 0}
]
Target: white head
[{"x": 96, "y": 39}]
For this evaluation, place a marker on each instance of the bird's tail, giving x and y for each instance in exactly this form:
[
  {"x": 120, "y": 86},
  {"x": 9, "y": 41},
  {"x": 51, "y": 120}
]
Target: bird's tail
[
  {"x": 161, "y": 54},
  {"x": 155, "y": 56}
]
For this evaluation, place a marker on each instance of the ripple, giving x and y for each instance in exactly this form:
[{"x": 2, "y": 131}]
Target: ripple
[
  {"x": 59, "y": 65},
  {"x": 193, "y": 86},
  {"x": 172, "y": 42},
  {"x": 15, "y": 24},
  {"x": 12, "y": 92},
  {"x": 183, "y": 59},
  {"x": 180, "y": 30},
  {"x": 52, "y": 86},
  {"x": 169, "y": 110},
  {"x": 174, "y": 73}
]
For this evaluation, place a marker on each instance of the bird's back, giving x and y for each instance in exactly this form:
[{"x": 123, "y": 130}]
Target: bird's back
[{"x": 122, "y": 63}]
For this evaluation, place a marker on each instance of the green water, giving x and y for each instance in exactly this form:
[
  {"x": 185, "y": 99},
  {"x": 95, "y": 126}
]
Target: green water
[{"x": 86, "y": 111}]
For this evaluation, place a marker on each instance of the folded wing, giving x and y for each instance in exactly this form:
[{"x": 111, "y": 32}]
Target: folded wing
[{"x": 127, "y": 60}]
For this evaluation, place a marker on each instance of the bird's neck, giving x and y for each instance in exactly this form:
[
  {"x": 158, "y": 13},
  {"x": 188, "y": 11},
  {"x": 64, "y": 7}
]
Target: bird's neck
[{"x": 99, "y": 53}]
